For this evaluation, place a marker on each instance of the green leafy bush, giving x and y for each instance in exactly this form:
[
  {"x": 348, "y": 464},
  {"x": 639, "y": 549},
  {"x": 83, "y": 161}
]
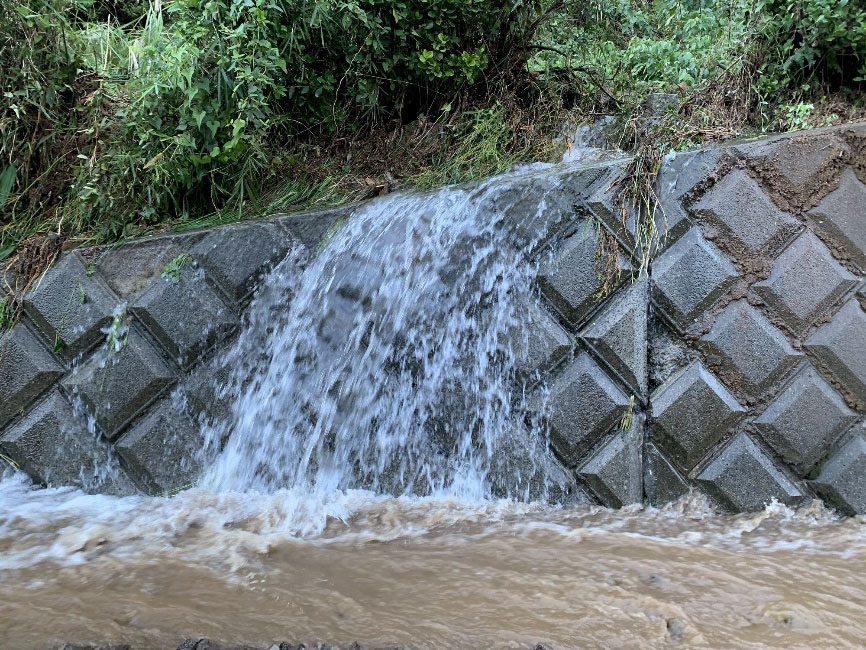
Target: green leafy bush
[
  {"x": 815, "y": 40},
  {"x": 211, "y": 85}
]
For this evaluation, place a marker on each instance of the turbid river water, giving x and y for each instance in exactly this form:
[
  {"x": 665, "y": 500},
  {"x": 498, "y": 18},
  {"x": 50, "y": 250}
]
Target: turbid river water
[
  {"x": 423, "y": 573},
  {"x": 387, "y": 364}
]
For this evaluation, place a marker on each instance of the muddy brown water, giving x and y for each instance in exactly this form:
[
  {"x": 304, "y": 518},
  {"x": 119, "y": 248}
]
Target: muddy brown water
[{"x": 423, "y": 573}]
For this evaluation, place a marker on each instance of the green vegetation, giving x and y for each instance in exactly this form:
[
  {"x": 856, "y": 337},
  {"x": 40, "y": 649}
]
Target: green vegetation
[
  {"x": 173, "y": 269},
  {"x": 122, "y": 117}
]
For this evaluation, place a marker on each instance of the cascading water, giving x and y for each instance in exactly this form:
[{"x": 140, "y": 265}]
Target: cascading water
[{"x": 389, "y": 361}]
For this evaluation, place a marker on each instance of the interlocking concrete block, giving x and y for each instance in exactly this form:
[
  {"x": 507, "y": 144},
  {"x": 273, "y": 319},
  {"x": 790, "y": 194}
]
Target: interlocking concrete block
[
  {"x": 572, "y": 278},
  {"x": 584, "y": 404},
  {"x": 605, "y": 202},
  {"x": 838, "y": 218},
  {"x": 619, "y": 336},
  {"x": 740, "y": 209},
  {"x": 540, "y": 344},
  {"x": 115, "y": 388},
  {"x": 804, "y": 420},
  {"x": 162, "y": 449},
  {"x": 26, "y": 369},
  {"x": 662, "y": 483},
  {"x": 840, "y": 346},
  {"x": 70, "y": 307},
  {"x": 54, "y": 447},
  {"x": 750, "y": 352},
  {"x": 689, "y": 278},
  {"x": 744, "y": 479},
  {"x": 535, "y": 206},
  {"x": 691, "y": 412},
  {"x": 185, "y": 315},
  {"x": 523, "y": 468},
  {"x": 799, "y": 159},
  {"x": 804, "y": 282},
  {"x": 678, "y": 176},
  {"x": 312, "y": 228},
  {"x": 615, "y": 471},
  {"x": 207, "y": 391},
  {"x": 130, "y": 269},
  {"x": 236, "y": 257},
  {"x": 842, "y": 477}
]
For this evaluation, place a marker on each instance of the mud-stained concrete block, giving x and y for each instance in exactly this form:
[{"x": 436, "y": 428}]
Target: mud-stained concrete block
[
  {"x": 743, "y": 212},
  {"x": 839, "y": 220},
  {"x": 129, "y": 270},
  {"x": 804, "y": 420},
  {"x": 840, "y": 347},
  {"x": 237, "y": 257},
  {"x": 584, "y": 404},
  {"x": 54, "y": 447},
  {"x": 26, "y": 369},
  {"x": 115, "y": 388},
  {"x": 843, "y": 478},
  {"x": 615, "y": 471},
  {"x": 691, "y": 412},
  {"x": 744, "y": 479},
  {"x": 798, "y": 167},
  {"x": 619, "y": 336},
  {"x": 750, "y": 353},
  {"x": 185, "y": 315},
  {"x": 689, "y": 278},
  {"x": 70, "y": 307},
  {"x": 804, "y": 283}
]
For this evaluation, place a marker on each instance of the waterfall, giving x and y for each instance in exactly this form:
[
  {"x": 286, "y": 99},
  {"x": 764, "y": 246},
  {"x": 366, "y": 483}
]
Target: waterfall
[{"x": 388, "y": 360}]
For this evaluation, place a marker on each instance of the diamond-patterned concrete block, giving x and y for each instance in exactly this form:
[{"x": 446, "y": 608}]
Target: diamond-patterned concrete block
[
  {"x": 584, "y": 404},
  {"x": 677, "y": 177},
  {"x": 838, "y": 218},
  {"x": 53, "y": 446},
  {"x": 572, "y": 279},
  {"x": 689, "y": 277},
  {"x": 751, "y": 353},
  {"x": 804, "y": 420},
  {"x": 662, "y": 482},
  {"x": 739, "y": 208},
  {"x": 311, "y": 228},
  {"x": 796, "y": 162},
  {"x": 114, "y": 390},
  {"x": 619, "y": 336},
  {"x": 840, "y": 346},
  {"x": 804, "y": 282},
  {"x": 236, "y": 257},
  {"x": 535, "y": 206},
  {"x": 843, "y": 478},
  {"x": 130, "y": 269},
  {"x": 692, "y": 411},
  {"x": 540, "y": 344},
  {"x": 162, "y": 449},
  {"x": 615, "y": 471},
  {"x": 26, "y": 369},
  {"x": 70, "y": 307},
  {"x": 185, "y": 315},
  {"x": 605, "y": 203},
  {"x": 744, "y": 479}
]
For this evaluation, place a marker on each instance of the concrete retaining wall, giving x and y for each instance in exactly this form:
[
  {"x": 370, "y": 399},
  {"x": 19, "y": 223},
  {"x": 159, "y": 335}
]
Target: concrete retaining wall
[{"x": 738, "y": 363}]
